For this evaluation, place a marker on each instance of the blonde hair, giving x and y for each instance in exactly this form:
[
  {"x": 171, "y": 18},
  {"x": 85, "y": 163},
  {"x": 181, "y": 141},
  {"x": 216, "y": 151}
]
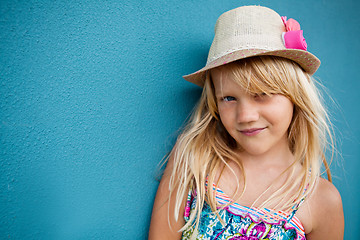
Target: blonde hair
[{"x": 204, "y": 144}]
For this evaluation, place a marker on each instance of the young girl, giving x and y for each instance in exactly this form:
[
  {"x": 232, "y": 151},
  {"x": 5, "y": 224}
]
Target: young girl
[{"x": 247, "y": 165}]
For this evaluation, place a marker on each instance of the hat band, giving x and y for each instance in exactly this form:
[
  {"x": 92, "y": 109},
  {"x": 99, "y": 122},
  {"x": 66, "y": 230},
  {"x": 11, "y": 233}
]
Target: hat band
[{"x": 249, "y": 48}]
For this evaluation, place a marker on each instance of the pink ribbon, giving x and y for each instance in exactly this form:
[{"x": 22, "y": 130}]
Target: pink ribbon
[{"x": 293, "y": 37}]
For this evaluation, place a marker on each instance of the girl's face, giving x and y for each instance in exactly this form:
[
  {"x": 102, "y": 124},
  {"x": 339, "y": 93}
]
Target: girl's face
[{"x": 258, "y": 123}]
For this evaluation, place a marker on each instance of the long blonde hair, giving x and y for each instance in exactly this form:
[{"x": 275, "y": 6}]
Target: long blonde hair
[{"x": 204, "y": 144}]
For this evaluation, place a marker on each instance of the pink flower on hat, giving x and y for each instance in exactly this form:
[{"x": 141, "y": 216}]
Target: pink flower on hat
[{"x": 293, "y": 37}]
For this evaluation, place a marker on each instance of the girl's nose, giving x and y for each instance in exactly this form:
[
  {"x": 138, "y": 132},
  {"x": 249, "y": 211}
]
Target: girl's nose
[{"x": 247, "y": 112}]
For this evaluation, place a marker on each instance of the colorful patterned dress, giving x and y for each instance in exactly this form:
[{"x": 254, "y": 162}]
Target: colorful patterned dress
[{"x": 243, "y": 223}]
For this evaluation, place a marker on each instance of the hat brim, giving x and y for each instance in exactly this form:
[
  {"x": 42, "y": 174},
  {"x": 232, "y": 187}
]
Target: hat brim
[{"x": 309, "y": 62}]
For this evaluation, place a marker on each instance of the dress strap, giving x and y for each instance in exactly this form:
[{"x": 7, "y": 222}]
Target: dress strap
[
  {"x": 188, "y": 203},
  {"x": 296, "y": 207}
]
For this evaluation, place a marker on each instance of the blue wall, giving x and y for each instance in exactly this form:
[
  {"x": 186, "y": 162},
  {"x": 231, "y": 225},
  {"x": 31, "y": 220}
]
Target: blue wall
[{"x": 91, "y": 99}]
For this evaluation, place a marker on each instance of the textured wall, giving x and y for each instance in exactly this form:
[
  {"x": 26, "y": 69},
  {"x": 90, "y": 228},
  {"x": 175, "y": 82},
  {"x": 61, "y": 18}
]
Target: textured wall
[{"x": 91, "y": 98}]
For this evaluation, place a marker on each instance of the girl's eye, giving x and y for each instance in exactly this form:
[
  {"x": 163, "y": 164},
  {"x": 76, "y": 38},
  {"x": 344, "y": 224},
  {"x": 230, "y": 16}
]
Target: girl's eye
[
  {"x": 260, "y": 95},
  {"x": 229, "y": 98}
]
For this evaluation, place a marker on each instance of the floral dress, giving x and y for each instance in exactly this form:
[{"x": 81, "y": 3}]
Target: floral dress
[{"x": 243, "y": 223}]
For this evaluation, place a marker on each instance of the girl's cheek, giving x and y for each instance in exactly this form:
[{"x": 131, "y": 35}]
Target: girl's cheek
[{"x": 224, "y": 110}]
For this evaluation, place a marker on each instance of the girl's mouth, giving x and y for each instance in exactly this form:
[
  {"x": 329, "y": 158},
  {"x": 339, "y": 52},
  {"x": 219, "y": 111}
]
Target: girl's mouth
[{"x": 251, "y": 131}]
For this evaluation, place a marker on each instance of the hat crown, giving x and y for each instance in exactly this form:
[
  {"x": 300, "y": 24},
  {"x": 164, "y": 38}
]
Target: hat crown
[
  {"x": 251, "y": 31},
  {"x": 248, "y": 27}
]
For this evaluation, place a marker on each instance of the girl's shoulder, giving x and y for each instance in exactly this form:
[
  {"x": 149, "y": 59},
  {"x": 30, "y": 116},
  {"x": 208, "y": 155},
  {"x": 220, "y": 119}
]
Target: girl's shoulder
[
  {"x": 326, "y": 194},
  {"x": 326, "y": 212},
  {"x": 325, "y": 198}
]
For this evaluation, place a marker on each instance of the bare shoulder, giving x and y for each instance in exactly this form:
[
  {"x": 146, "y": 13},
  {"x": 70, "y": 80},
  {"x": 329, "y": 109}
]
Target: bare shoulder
[
  {"x": 326, "y": 195},
  {"x": 326, "y": 212},
  {"x": 163, "y": 224}
]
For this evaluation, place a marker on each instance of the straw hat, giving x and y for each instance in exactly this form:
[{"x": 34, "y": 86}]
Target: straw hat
[{"x": 255, "y": 31}]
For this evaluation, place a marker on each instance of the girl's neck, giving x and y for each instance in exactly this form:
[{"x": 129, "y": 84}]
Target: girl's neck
[
  {"x": 279, "y": 156},
  {"x": 264, "y": 175}
]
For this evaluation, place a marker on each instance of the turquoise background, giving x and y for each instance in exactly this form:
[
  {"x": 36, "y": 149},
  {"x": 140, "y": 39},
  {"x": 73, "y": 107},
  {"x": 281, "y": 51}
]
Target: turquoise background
[{"x": 91, "y": 99}]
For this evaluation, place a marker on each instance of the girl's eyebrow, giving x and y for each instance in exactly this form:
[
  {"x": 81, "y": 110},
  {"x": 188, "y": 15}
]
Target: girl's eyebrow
[{"x": 220, "y": 93}]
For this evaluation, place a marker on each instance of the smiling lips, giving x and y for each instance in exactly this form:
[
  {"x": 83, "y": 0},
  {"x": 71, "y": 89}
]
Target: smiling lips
[{"x": 251, "y": 131}]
